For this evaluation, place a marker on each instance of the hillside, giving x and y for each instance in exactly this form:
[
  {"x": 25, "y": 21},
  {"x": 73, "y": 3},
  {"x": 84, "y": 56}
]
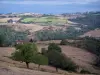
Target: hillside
[
  {"x": 81, "y": 57},
  {"x": 93, "y": 33}
]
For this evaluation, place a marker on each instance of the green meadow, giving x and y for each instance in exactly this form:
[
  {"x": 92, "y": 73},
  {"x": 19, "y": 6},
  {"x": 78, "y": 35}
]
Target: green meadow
[{"x": 45, "y": 20}]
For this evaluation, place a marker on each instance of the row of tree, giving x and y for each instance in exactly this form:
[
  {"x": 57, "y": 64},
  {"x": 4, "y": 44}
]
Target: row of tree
[
  {"x": 8, "y": 36},
  {"x": 28, "y": 53},
  {"x": 59, "y": 34},
  {"x": 90, "y": 19}
]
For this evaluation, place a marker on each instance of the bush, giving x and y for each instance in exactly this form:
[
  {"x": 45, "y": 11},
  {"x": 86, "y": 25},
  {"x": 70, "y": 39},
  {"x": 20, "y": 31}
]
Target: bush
[
  {"x": 43, "y": 51},
  {"x": 84, "y": 71},
  {"x": 64, "y": 42},
  {"x": 41, "y": 60},
  {"x": 53, "y": 46}
]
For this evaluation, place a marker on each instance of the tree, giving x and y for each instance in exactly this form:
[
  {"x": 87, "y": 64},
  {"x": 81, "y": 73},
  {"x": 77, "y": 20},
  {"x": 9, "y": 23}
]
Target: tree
[
  {"x": 59, "y": 60},
  {"x": 67, "y": 63},
  {"x": 64, "y": 42},
  {"x": 54, "y": 59},
  {"x": 25, "y": 53},
  {"x": 41, "y": 60},
  {"x": 53, "y": 46}
]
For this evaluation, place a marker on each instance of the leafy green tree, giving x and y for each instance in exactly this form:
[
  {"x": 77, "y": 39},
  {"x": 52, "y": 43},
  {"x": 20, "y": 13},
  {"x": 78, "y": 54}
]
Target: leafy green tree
[
  {"x": 41, "y": 60},
  {"x": 53, "y": 46},
  {"x": 67, "y": 63},
  {"x": 25, "y": 53},
  {"x": 54, "y": 59},
  {"x": 59, "y": 60}
]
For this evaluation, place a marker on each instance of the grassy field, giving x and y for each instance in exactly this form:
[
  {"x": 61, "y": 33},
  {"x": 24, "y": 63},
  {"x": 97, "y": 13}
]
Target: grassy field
[{"x": 47, "y": 20}]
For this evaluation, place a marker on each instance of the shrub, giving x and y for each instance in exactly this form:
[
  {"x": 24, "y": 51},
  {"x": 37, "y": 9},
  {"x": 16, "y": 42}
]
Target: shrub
[
  {"x": 64, "y": 42},
  {"x": 53, "y": 46},
  {"x": 84, "y": 71},
  {"x": 43, "y": 51}
]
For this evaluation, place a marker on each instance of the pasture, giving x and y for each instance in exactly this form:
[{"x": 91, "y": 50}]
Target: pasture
[{"x": 45, "y": 20}]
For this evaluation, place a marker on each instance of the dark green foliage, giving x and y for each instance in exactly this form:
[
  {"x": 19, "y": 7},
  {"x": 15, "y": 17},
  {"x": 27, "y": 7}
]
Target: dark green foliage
[
  {"x": 84, "y": 71},
  {"x": 64, "y": 42},
  {"x": 54, "y": 59},
  {"x": 28, "y": 53},
  {"x": 59, "y": 34},
  {"x": 92, "y": 20},
  {"x": 43, "y": 51},
  {"x": 53, "y": 46},
  {"x": 41, "y": 60},
  {"x": 10, "y": 36},
  {"x": 68, "y": 64},
  {"x": 90, "y": 44},
  {"x": 25, "y": 53},
  {"x": 59, "y": 60}
]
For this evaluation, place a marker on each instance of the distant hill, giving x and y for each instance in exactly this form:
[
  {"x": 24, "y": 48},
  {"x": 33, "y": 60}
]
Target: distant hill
[{"x": 93, "y": 33}]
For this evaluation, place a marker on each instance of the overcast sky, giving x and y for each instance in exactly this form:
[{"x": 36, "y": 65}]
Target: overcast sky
[{"x": 49, "y": 6}]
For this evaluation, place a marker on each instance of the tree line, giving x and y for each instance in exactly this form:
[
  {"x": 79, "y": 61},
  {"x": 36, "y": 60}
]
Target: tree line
[
  {"x": 8, "y": 36},
  {"x": 28, "y": 53}
]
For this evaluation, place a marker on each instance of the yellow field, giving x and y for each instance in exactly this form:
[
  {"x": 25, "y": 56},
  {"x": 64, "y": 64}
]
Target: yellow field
[{"x": 4, "y": 20}]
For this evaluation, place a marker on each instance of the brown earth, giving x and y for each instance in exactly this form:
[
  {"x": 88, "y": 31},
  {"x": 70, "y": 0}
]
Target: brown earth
[
  {"x": 93, "y": 33},
  {"x": 24, "y": 27}
]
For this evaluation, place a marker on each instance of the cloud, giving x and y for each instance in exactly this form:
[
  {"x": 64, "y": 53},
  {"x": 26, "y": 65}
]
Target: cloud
[{"x": 48, "y": 2}]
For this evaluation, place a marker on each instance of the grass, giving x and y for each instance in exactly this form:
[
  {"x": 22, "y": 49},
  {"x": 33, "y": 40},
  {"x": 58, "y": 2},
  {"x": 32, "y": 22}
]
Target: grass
[{"x": 43, "y": 20}]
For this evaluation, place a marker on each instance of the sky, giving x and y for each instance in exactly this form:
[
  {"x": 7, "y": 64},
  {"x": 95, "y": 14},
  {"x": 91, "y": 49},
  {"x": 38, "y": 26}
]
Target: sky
[{"x": 48, "y": 6}]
